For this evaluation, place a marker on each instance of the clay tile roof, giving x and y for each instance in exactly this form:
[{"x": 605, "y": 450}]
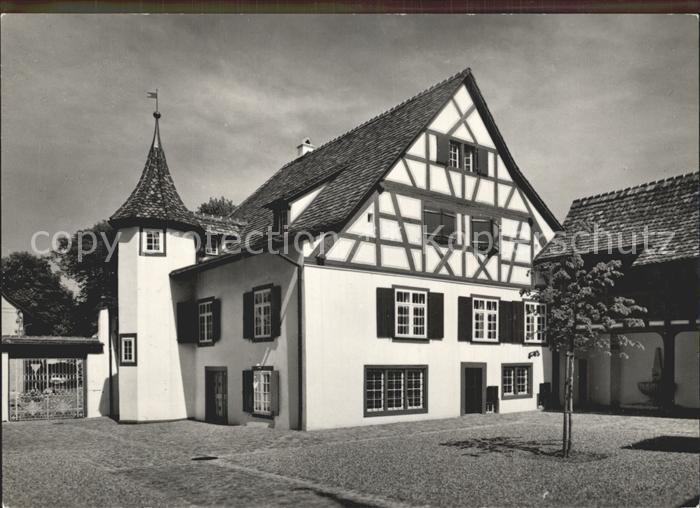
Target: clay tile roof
[
  {"x": 667, "y": 209},
  {"x": 155, "y": 198},
  {"x": 352, "y": 164},
  {"x": 219, "y": 225}
]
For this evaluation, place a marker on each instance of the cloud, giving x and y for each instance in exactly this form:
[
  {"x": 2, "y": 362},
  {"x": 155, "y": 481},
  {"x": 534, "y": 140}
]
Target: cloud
[{"x": 586, "y": 103}]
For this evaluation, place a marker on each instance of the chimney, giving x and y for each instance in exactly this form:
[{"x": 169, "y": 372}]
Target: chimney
[{"x": 305, "y": 147}]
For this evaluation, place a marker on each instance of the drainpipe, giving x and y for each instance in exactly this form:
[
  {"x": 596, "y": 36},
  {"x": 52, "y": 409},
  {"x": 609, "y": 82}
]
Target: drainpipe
[{"x": 300, "y": 332}]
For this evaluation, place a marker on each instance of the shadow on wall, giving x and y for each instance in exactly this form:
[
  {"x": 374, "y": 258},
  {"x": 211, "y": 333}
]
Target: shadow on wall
[
  {"x": 104, "y": 398},
  {"x": 675, "y": 444}
]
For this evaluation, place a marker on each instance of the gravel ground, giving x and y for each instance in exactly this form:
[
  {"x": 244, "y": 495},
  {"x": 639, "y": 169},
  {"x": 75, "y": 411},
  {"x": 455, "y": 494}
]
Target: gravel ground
[{"x": 476, "y": 460}]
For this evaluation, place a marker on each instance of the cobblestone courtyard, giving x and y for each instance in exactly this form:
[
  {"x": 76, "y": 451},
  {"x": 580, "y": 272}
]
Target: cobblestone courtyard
[{"x": 474, "y": 460}]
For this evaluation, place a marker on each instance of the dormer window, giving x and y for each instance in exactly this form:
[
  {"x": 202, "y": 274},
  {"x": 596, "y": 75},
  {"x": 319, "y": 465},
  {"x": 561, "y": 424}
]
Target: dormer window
[
  {"x": 281, "y": 219},
  {"x": 152, "y": 242},
  {"x": 212, "y": 246}
]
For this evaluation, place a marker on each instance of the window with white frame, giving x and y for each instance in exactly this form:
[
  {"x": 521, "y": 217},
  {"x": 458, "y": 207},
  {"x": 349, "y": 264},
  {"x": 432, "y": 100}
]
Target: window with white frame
[
  {"x": 414, "y": 388},
  {"x": 262, "y": 310},
  {"x": 410, "y": 313},
  {"x": 206, "y": 322},
  {"x": 395, "y": 390},
  {"x": 516, "y": 381},
  {"x": 262, "y": 392},
  {"x": 535, "y": 321},
  {"x": 485, "y": 319},
  {"x": 468, "y": 158},
  {"x": 454, "y": 154},
  {"x": 153, "y": 241},
  {"x": 128, "y": 349},
  {"x": 212, "y": 246}
]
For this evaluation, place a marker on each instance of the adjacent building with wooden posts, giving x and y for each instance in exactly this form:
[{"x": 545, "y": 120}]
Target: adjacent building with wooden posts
[{"x": 653, "y": 229}]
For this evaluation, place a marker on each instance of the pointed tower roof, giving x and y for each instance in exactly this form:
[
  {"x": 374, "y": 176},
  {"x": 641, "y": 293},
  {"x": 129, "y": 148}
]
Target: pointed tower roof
[{"x": 155, "y": 200}]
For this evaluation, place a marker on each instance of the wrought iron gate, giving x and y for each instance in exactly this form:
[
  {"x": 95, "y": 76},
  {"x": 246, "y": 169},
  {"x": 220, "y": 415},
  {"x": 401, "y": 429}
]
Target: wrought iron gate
[{"x": 46, "y": 388}]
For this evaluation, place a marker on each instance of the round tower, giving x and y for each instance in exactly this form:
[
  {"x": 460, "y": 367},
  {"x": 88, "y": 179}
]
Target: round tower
[{"x": 154, "y": 238}]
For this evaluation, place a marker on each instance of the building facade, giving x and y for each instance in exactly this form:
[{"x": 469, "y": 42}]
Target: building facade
[
  {"x": 653, "y": 230},
  {"x": 374, "y": 279}
]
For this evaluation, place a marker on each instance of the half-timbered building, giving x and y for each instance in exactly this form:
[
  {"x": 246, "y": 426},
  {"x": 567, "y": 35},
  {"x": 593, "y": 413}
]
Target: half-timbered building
[{"x": 376, "y": 278}]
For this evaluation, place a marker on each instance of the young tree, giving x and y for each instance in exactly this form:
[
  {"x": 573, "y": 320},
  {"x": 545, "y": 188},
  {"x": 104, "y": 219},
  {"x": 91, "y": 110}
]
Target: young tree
[
  {"x": 30, "y": 280},
  {"x": 217, "y": 206},
  {"x": 89, "y": 261},
  {"x": 582, "y": 309}
]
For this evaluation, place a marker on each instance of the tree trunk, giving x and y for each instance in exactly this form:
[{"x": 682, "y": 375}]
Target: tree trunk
[{"x": 568, "y": 402}]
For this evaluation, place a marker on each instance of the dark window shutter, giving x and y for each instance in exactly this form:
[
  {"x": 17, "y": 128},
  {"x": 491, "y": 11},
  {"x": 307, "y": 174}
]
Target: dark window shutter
[
  {"x": 436, "y": 316},
  {"x": 247, "y": 393},
  {"x": 496, "y": 234},
  {"x": 518, "y": 322},
  {"x": 187, "y": 322},
  {"x": 505, "y": 321},
  {"x": 482, "y": 161},
  {"x": 464, "y": 318},
  {"x": 216, "y": 319},
  {"x": 385, "y": 312},
  {"x": 443, "y": 150},
  {"x": 276, "y": 310},
  {"x": 275, "y": 392},
  {"x": 248, "y": 315}
]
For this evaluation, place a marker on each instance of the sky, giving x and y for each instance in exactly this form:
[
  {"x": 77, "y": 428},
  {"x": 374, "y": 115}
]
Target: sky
[{"x": 586, "y": 103}]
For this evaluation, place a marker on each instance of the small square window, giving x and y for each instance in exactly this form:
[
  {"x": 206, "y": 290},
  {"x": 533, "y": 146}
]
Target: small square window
[
  {"x": 153, "y": 241},
  {"x": 212, "y": 245},
  {"x": 516, "y": 381}
]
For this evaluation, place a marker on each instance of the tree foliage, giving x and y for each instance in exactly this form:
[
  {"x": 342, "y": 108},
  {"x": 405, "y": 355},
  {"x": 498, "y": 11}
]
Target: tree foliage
[
  {"x": 87, "y": 261},
  {"x": 583, "y": 313},
  {"x": 583, "y": 306},
  {"x": 217, "y": 206},
  {"x": 31, "y": 281}
]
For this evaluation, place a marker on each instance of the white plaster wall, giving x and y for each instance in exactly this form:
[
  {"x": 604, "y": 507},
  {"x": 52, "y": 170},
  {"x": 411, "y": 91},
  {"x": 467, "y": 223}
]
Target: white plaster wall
[
  {"x": 11, "y": 319},
  {"x": 340, "y": 337},
  {"x": 152, "y": 390},
  {"x": 5, "y": 386},
  {"x": 229, "y": 283},
  {"x": 97, "y": 371},
  {"x": 687, "y": 366},
  {"x": 598, "y": 378}
]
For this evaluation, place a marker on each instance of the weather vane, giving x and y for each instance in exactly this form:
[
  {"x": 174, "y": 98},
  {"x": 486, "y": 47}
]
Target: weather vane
[{"x": 154, "y": 95}]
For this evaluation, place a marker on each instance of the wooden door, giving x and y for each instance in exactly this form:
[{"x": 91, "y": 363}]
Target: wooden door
[
  {"x": 216, "y": 395},
  {"x": 473, "y": 390}
]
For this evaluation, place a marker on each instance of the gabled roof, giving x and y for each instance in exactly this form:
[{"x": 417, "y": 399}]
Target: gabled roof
[
  {"x": 360, "y": 158},
  {"x": 155, "y": 198},
  {"x": 667, "y": 209}
]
